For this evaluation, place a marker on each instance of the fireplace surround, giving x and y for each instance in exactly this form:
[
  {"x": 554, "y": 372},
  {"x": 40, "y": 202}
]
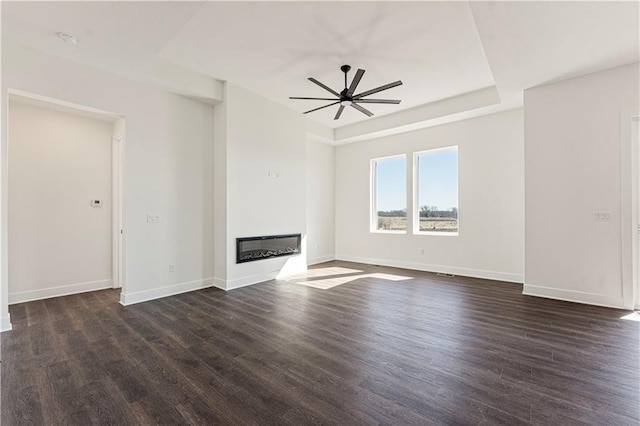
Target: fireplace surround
[{"x": 250, "y": 249}]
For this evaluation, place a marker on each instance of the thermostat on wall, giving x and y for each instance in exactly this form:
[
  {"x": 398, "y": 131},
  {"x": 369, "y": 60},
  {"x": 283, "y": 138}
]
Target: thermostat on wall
[{"x": 96, "y": 203}]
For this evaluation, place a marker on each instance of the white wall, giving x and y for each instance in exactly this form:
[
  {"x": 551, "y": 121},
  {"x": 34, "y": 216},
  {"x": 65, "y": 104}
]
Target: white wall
[
  {"x": 320, "y": 202},
  {"x": 573, "y": 169},
  {"x": 58, "y": 243},
  {"x": 491, "y": 202},
  {"x": 265, "y": 181},
  {"x": 167, "y": 171}
]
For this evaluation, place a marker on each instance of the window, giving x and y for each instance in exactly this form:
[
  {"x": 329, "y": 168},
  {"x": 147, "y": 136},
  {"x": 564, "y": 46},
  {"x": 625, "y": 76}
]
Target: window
[
  {"x": 389, "y": 194},
  {"x": 436, "y": 191}
]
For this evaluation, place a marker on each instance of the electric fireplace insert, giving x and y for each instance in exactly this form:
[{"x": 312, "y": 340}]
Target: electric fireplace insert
[{"x": 250, "y": 249}]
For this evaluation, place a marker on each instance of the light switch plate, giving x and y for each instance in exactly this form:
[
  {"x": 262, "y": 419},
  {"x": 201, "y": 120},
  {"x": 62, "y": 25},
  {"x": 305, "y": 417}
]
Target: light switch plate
[
  {"x": 602, "y": 216},
  {"x": 153, "y": 218}
]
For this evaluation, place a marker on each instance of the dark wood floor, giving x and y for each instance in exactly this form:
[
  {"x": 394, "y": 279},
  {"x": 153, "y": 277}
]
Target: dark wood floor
[{"x": 375, "y": 350}]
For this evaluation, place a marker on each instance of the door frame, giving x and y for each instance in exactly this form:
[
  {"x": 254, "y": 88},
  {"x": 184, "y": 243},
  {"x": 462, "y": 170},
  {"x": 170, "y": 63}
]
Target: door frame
[
  {"x": 630, "y": 220},
  {"x": 117, "y": 174},
  {"x": 635, "y": 143}
]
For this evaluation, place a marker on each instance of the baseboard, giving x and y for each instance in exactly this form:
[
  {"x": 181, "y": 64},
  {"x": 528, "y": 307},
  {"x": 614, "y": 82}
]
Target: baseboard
[
  {"x": 5, "y": 323},
  {"x": 219, "y": 283},
  {"x": 65, "y": 290},
  {"x": 454, "y": 270},
  {"x": 574, "y": 296},
  {"x": 170, "y": 290},
  {"x": 320, "y": 259},
  {"x": 251, "y": 280},
  {"x": 260, "y": 278}
]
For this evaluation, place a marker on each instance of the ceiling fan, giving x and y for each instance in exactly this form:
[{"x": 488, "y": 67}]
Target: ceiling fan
[{"x": 347, "y": 98}]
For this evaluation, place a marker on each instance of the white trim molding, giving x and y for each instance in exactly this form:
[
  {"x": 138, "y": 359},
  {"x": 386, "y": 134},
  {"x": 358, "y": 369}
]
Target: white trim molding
[
  {"x": 443, "y": 269},
  {"x": 574, "y": 296},
  {"x": 251, "y": 280},
  {"x": 65, "y": 290},
  {"x": 5, "y": 323},
  {"x": 320, "y": 259},
  {"x": 127, "y": 299},
  {"x": 630, "y": 217},
  {"x": 260, "y": 278},
  {"x": 219, "y": 283}
]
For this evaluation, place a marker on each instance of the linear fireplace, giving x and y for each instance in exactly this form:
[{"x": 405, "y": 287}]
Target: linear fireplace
[{"x": 257, "y": 248}]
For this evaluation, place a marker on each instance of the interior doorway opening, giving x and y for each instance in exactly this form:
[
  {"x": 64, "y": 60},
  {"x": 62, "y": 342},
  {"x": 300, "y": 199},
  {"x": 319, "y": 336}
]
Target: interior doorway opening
[{"x": 79, "y": 204}]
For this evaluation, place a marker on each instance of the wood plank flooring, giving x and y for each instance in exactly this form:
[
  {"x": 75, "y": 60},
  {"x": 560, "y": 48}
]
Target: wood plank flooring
[{"x": 402, "y": 348}]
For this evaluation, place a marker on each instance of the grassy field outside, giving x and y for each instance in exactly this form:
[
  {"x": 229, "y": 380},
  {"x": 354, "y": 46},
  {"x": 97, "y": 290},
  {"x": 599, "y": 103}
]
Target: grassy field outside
[{"x": 431, "y": 224}]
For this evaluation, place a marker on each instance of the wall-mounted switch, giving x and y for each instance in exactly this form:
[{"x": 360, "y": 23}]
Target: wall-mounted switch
[
  {"x": 172, "y": 267},
  {"x": 602, "y": 216},
  {"x": 96, "y": 203},
  {"x": 153, "y": 218}
]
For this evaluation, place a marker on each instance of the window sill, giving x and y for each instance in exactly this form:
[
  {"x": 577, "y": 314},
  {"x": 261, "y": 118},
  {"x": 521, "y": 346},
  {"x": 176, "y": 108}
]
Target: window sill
[
  {"x": 445, "y": 234},
  {"x": 378, "y": 231}
]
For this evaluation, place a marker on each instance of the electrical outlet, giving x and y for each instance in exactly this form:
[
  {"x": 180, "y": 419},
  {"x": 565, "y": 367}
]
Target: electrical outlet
[
  {"x": 153, "y": 218},
  {"x": 172, "y": 267}
]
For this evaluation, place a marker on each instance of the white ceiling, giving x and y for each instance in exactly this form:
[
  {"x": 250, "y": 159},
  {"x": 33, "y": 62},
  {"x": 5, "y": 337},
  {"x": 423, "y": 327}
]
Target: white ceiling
[
  {"x": 271, "y": 48},
  {"x": 438, "y": 49}
]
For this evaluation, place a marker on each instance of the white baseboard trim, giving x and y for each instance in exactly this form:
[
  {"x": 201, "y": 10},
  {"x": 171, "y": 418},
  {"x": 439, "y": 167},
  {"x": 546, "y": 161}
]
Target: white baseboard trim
[
  {"x": 170, "y": 290},
  {"x": 5, "y": 323},
  {"x": 251, "y": 280},
  {"x": 320, "y": 259},
  {"x": 219, "y": 283},
  {"x": 65, "y": 290},
  {"x": 574, "y": 296},
  {"x": 260, "y": 278},
  {"x": 454, "y": 270}
]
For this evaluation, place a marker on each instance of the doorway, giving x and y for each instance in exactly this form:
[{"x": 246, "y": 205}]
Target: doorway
[{"x": 64, "y": 201}]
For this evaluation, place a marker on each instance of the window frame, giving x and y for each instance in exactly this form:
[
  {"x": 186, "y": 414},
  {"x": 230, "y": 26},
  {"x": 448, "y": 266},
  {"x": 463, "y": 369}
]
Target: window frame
[
  {"x": 373, "y": 196},
  {"x": 416, "y": 189}
]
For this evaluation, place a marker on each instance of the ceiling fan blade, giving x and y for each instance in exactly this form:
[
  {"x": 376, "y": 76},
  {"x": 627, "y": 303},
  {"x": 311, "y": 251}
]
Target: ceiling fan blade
[
  {"x": 339, "y": 112},
  {"x": 377, "y": 101},
  {"x": 315, "y": 109},
  {"x": 314, "y": 99},
  {"x": 355, "y": 81},
  {"x": 378, "y": 89},
  {"x": 324, "y": 87},
  {"x": 362, "y": 110}
]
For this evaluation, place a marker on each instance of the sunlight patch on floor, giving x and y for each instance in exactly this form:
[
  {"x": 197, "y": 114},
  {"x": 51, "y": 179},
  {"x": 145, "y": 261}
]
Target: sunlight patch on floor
[
  {"x": 327, "y": 283},
  {"x": 388, "y": 277},
  {"x": 633, "y": 316},
  {"x": 323, "y": 272}
]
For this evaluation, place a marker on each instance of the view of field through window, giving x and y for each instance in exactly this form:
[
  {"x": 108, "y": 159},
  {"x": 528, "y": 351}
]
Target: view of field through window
[
  {"x": 391, "y": 193},
  {"x": 437, "y": 192}
]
